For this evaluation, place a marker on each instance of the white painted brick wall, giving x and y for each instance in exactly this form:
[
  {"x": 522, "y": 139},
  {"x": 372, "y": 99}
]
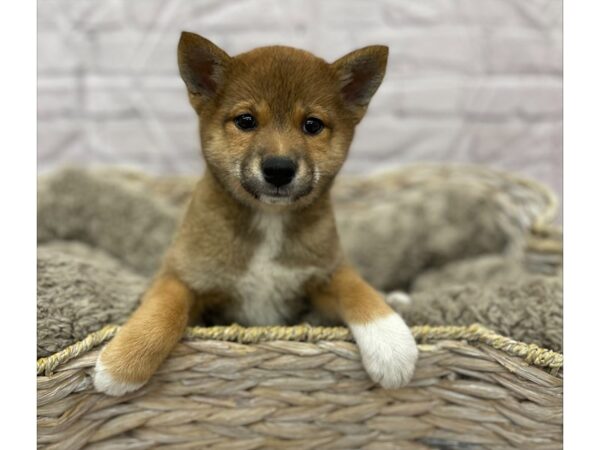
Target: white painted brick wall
[{"x": 475, "y": 81}]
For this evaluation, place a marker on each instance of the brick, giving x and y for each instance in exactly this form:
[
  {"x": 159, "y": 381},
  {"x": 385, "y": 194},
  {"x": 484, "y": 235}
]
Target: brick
[
  {"x": 348, "y": 15},
  {"x": 161, "y": 98},
  {"x": 114, "y": 52},
  {"x": 109, "y": 96},
  {"x": 245, "y": 40},
  {"x": 531, "y": 13},
  {"x": 422, "y": 13},
  {"x": 59, "y": 53},
  {"x": 419, "y": 96},
  {"x": 144, "y": 14},
  {"x": 76, "y": 13},
  {"x": 59, "y": 141},
  {"x": 509, "y": 145},
  {"x": 109, "y": 103},
  {"x": 233, "y": 17},
  {"x": 48, "y": 15},
  {"x": 134, "y": 52},
  {"x": 160, "y": 146},
  {"x": 62, "y": 14},
  {"x": 169, "y": 104},
  {"x": 477, "y": 98},
  {"x": 58, "y": 97},
  {"x": 331, "y": 45},
  {"x": 127, "y": 139},
  {"x": 386, "y": 141},
  {"x": 533, "y": 98},
  {"x": 184, "y": 155},
  {"x": 523, "y": 51},
  {"x": 383, "y": 141},
  {"x": 420, "y": 51}
]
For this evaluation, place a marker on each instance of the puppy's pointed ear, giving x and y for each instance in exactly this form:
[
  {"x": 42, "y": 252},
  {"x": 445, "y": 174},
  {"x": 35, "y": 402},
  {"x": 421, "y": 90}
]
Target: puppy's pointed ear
[
  {"x": 202, "y": 64},
  {"x": 360, "y": 73}
]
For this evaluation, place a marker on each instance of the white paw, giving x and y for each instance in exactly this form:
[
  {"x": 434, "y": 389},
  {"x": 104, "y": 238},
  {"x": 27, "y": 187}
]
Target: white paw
[
  {"x": 397, "y": 299},
  {"x": 388, "y": 350},
  {"x": 105, "y": 382}
]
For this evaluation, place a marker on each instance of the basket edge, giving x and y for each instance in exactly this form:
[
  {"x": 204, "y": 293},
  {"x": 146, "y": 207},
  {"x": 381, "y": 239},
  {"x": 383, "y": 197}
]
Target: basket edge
[{"x": 531, "y": 353}]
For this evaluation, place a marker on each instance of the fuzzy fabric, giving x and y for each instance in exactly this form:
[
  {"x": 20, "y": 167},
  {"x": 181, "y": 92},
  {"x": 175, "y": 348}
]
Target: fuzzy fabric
[
  {"x": 452, "y": 235},
  {"x": 493, "y": 290},
  {"x": 79, "y": 290}
]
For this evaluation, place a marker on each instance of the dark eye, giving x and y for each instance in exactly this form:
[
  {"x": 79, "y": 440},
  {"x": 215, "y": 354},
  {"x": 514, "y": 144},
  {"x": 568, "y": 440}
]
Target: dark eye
[
  {"x": 245, "y": 122},
  {"x": 312, "y": 125}
]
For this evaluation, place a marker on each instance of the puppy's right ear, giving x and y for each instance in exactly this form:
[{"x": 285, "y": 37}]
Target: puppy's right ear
[
  {"x": 202, "y": 64},
  {"x": 360, "y": 73}
]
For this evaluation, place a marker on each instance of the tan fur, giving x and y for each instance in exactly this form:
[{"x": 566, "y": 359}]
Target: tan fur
[
  {"x": 151, "y": 332},
  {"x": 240, "y": 254},
  {"x": 348, "y": 297}
]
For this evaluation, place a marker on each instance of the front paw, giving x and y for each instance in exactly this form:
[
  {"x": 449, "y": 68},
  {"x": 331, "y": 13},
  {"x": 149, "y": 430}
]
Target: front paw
[
  {"x": 111, "y": 377},
  {"x": 388, "y": 350}
]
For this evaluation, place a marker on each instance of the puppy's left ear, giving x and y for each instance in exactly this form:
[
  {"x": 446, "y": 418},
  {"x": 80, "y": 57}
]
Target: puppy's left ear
[{"x": 360, "y": 73}]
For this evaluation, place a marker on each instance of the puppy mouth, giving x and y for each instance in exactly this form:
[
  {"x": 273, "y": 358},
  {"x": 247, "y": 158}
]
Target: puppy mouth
[
  {"x": 276, "y": 195},
  {"x": 277, "y": 198}
]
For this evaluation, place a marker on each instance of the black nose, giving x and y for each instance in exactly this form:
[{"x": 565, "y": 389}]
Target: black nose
[{"x": 278, "y": 170}]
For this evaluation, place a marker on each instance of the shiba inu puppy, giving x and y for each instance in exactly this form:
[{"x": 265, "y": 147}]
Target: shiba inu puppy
[{"x": 258, "y": 244}]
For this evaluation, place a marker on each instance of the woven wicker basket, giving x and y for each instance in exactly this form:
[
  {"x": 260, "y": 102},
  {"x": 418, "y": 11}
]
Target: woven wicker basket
[{"x": 305, "y": 388}]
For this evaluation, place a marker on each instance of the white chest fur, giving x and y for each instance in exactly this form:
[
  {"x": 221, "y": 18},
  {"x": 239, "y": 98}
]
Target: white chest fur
[{"x": 270, "y": 291}]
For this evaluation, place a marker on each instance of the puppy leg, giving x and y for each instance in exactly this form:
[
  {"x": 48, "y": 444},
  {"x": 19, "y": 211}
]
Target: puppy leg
[
  {"x": 142, "y": 344},
  {"x": 387, "y": 347}
]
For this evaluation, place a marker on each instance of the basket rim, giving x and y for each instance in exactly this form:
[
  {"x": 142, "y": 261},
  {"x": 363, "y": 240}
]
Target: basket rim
[{"x": 531, "y": 354}]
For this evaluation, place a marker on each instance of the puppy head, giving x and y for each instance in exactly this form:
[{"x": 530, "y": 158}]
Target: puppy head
[{"x": 276, "y": 122}]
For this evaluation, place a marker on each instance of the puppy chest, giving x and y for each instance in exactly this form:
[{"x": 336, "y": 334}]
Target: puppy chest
[
  {"x": 270, "y": 294},
  {"x": 271, "y": 289}
]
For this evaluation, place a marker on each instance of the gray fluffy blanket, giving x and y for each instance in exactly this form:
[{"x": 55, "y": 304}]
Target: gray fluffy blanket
[{"x": 454, "y": 237}]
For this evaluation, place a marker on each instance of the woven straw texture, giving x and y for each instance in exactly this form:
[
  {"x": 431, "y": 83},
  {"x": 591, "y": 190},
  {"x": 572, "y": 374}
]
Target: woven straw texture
[{"x": 302, "y": 387}]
